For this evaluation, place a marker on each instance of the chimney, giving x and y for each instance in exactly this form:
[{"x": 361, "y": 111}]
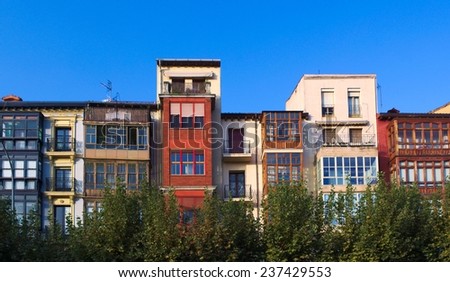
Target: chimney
[{"x": 11, "y": 98}]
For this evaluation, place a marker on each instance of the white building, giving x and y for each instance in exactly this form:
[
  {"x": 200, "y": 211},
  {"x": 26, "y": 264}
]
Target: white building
[{"x": 340, "y": 136}]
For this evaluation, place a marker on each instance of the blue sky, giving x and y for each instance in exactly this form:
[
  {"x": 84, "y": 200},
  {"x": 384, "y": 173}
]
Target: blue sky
[{"x": 63, "y": 50}]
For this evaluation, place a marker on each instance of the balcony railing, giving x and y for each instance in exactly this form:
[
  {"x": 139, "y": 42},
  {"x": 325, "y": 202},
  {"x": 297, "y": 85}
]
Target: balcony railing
[
  {"x": 60, "y": 184},
  {"x": 58, "y": 145},
  {"x": 349, "y": 141},
  {"x": 241, "y": 147},
  {"x": 236, "y": 191},
  {"x": 187, "y": 88}
]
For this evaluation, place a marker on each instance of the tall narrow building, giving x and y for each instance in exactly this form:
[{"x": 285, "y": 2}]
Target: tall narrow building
[
  {"x": 340, "y": 136},
  {"x": 21, "y": 140},
  {"x": 116, "y": 148},
  {"x": 188, "y": 94}
]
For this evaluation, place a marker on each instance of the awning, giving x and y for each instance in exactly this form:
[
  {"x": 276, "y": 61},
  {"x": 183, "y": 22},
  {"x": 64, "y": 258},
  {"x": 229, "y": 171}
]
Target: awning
[{"x": 208, "y": 74}]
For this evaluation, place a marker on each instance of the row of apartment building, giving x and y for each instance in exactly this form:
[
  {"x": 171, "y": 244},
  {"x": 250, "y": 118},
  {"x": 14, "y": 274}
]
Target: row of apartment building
[{"x": 58, "y": 157}]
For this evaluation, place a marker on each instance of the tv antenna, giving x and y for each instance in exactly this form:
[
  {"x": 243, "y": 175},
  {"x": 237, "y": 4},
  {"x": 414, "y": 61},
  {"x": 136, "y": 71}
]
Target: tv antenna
[{"x": 108, "y": 86}]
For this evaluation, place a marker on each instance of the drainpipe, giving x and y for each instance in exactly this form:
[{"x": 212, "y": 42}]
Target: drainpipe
[{"x": 257, "y": 164}]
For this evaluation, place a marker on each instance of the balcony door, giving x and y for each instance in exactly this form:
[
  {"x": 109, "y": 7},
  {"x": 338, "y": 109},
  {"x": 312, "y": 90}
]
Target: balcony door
[
  {"x": 236, "y": 140},
  {"x": 61, "y": 213},
  {"x": 63, "y": 139},
  {"x": 63, "y": 179},
  {"x": 237, "y": 184}
]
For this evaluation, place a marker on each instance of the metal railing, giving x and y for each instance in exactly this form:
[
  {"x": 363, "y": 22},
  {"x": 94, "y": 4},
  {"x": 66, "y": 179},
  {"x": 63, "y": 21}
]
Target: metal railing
[
  {"x": 61, "y": 145},
  {"x": 60, "y": 184},
  {"x": 349, "y": 141},
  {"x": 187, "y": 87},
  {"x": 236, "y": 191},
  {"x": 241, "y": 147}
]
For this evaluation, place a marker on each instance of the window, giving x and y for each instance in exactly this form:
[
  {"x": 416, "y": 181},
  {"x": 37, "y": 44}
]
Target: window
[
  {"x": 116, "y": 137},
  {"x": 63, "y": 179},
  {"x": 283, "y": 167},
  {"x": 19, "y": 126},
  {"x": 25, "y": 205},
  {"x": 327, "y": 102},
  {"x": 198, "y": 85},
  {"x": 356, "y": 136},
  {"x": 63, "y": 140},
  {"x": 187, "y": 163},
  {"x": 422, "y": 135},
  {"x": 426, "y": 174},
  {"x": 91, "y": 134},
  {"x": 25, "y": 174},
  {"x": 178, "y": 85},
  {"x": 93, "y": 206},
  {"x": 236, "y": 184},
  {"x": 132, "y": 180},
  {"x": 235, "y": 142},
  {"x": 353, "y": 103},
  {"x": 121, "y": 171},
  {"x": 110, "y": 174},
  {"x": 99, "y": 173},
  {"x": 187, "y": 115},
  {"x": 89, "y": 175},
  {"x": 358, "y": 170},
  {"x": 329, "y": 136},
  {"x": 282, "y": 126},
  {"x": 187, "y": 216}
]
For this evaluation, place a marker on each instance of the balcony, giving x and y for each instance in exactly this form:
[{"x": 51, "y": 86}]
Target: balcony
[
  {"x": 238, "y": 192},
  {"x": 342, "y": 140},
  {"x": 57, "y": 145},
  {"x": 187, "y": 88},
  {"x": 239, "y": 152},
  {"x": 55, "y": 186}
]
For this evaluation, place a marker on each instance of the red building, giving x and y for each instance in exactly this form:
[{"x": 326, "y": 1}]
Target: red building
[
  {"x": 189, "y": 98},
  {"x": 414, "y": 148}
]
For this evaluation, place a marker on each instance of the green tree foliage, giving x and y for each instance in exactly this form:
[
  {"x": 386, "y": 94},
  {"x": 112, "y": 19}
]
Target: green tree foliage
[
  {"x": 160, "y": 239},
  {"x": 223, "y": 231},
  {"x": 8, "y": 233},
  {"x": 393, "y": 225},
  {"x": 291, "y": 224},
  {"x": 389, "y": 223}
]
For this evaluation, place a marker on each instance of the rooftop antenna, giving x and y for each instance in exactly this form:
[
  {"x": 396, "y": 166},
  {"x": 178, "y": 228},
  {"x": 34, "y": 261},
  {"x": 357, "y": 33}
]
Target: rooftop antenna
[{"x": 108, "y": 86}]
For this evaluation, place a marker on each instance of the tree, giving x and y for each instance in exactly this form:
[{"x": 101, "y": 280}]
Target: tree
[
  {"x": 224, "y": 231},
  {"x": 160, "y": 238},
  {"x": 8, "y": 233},
  {"x": 292, "y": 222}
]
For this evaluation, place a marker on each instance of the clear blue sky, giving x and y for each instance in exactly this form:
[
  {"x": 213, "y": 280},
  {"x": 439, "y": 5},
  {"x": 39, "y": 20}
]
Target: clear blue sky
[{"x": 63, "y": 50}]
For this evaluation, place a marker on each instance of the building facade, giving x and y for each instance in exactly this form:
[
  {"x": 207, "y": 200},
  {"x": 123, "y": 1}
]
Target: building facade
[
  {"x": 242, "y": 175},
  {"x": 340, "y": 136},
  {"x": 188, "y": 96},
  {"x": 117, "y": 148},
  {"x": 415, "y": 149},
  {"x": 21, "y": 178},
  {"x": 59, "y": 157}
]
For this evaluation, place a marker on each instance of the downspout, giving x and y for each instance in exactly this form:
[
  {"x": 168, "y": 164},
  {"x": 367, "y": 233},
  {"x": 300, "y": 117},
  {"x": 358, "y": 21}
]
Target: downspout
[
  {"x": 257, "y": 165},
  {"x": 74, "y": 168}
]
